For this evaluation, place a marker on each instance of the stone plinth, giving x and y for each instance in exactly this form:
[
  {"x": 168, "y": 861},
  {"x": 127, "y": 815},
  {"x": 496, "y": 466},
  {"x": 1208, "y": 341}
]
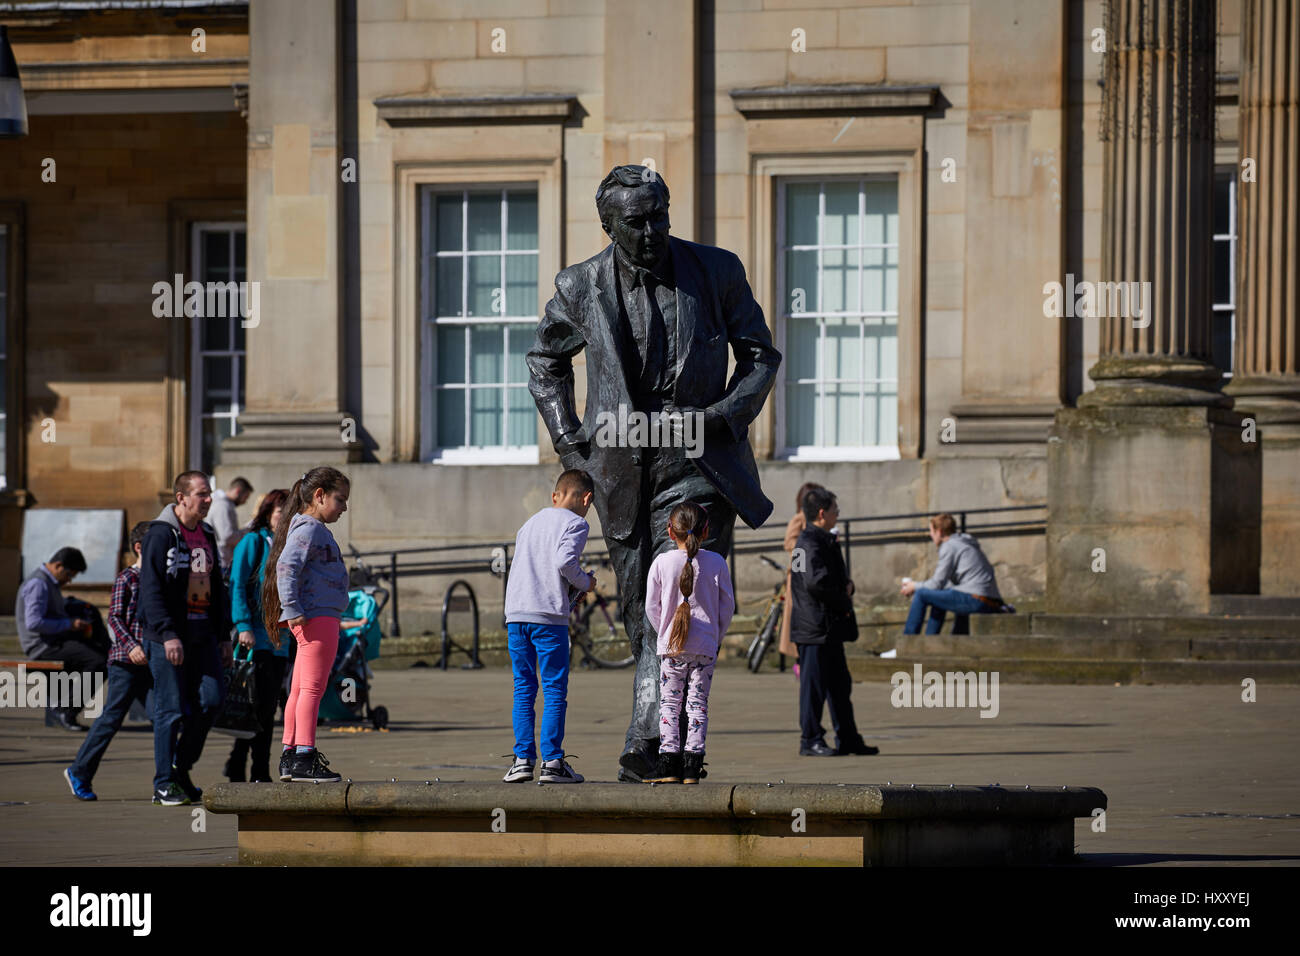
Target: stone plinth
[
  {"x": 603, "y": 824},
  {"x": 1170, "y": 495}
]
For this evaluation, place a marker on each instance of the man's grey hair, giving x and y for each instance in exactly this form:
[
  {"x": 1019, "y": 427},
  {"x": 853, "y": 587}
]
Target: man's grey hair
[{"x": 627, "y": 177}]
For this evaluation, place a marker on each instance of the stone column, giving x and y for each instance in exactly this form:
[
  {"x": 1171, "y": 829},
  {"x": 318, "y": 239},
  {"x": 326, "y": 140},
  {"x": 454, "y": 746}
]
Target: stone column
[
  {"x": 1153, "y": 495},
  {"x": 1266, "y": 373},
  {"x": 296, "y": 383}
]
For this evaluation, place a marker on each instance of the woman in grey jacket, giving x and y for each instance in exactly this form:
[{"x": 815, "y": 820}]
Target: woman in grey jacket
[{"x": 962, "y": 583}]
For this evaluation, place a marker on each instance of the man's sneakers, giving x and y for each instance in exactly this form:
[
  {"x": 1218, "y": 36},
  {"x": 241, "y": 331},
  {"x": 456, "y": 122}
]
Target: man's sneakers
[
  {"x": 312, "y": 767},
  {"x": 668, "y": 769},
  {"x": 80, "y": 788},
  {"x": 170, "y": 796},
  {"x": 286, "y": 765},
  {"x": 558, "y": 771},
  {"x": 182, "y": 779},
  {"x": 521, "y": 771}
]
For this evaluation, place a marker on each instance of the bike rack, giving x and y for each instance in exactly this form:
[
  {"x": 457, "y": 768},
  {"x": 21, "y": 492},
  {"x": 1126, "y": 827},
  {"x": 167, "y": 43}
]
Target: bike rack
[{"x": 447, "y": 642}]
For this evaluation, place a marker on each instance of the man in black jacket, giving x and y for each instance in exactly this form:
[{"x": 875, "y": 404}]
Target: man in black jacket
[
  {"x": 821, "y": 620},
  {"x": 657, "y": 317},
  {"x": 185, "y": 623}
]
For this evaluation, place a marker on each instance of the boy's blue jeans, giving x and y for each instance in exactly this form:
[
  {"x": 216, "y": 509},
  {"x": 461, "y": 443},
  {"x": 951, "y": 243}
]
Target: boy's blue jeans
[
  {"x": 540, "y": 648},
  {"x": 941, "y": 600}
]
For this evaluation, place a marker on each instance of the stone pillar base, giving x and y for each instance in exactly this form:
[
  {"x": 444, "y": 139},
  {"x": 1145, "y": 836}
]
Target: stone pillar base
[
  {"x": 291, "y": 438},
  {"x": 1171, "y": 496},
  {"x": 1279, "y": 566}
]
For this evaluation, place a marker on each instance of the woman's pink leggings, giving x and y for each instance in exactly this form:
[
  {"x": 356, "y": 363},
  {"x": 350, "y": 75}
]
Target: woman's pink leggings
[{"x": 318, "y": 641}]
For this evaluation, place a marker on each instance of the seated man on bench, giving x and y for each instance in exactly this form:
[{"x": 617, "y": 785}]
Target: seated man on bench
[
  {"x": 962, "y": 583},
  {"x": 48, "y": 633}
]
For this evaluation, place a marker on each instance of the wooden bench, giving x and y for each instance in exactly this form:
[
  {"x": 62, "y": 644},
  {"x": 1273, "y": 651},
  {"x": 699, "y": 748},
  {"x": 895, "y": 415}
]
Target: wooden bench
[{"x": 33, "y": 665}]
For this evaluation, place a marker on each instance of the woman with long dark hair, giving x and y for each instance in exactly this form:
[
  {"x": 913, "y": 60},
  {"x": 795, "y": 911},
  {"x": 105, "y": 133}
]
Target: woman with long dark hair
[{"x": 247, "y": 575}]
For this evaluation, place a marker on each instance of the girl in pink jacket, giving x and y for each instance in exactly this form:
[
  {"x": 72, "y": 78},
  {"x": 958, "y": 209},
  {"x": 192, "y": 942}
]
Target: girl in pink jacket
[{"x": 689, "y": 600}]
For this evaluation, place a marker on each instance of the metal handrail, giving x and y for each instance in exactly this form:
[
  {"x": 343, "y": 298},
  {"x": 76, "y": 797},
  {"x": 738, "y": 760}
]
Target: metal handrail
[{"x": 498, "y": 552}]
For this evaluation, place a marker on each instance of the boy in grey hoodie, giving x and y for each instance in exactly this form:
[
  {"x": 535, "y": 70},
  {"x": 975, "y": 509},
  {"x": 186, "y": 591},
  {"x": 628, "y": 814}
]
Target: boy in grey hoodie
[
  {"x": 962, "y": 583},
  {"x": 545, "y": 576}
]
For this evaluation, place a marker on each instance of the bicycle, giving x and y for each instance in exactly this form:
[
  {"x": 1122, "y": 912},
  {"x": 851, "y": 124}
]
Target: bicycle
[
  {"x": 771, "y": 621},
  {"x": 594, "y": 632}
]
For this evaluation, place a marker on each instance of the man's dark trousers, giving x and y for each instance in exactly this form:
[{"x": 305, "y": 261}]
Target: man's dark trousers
[
  {"x": 669, "y": 478},
  {"x": 78, "y": 655},
  {"x": 824, "y": 678},
  {"x": 126, "y": 683},
  {"x": 185, "y": 700}
]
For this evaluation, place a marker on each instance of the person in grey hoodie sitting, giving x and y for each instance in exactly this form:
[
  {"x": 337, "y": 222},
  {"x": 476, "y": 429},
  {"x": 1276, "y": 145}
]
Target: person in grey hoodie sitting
[{"x": 963, "y": 583}]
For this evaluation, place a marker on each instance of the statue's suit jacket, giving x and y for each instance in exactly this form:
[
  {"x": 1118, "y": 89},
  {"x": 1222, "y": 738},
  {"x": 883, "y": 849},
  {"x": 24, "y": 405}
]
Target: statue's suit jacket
[{"x": 715, "y": 307}]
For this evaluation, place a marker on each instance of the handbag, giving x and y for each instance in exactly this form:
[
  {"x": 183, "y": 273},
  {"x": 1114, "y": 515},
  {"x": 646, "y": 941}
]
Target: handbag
[{"x": 238, "y": 714}]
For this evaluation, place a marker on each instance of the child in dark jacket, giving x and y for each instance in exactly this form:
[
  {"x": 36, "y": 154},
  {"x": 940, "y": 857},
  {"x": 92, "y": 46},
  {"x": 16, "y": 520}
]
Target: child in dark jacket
[{"x": 821, "y": 621}]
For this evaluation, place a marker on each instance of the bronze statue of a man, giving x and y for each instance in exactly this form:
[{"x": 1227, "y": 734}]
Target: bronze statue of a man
[{"x": 656, "y": 315}]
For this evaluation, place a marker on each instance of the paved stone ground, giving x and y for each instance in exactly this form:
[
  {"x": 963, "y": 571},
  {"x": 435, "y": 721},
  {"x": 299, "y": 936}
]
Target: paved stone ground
[{"x": 1194, "y": 775}]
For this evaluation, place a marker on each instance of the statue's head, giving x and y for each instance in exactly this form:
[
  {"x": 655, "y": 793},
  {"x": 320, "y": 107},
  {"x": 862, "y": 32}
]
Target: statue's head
[{"x": 633, "y": 205}]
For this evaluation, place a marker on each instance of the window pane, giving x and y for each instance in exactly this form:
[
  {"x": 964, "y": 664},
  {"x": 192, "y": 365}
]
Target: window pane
[
  {"x": 485, "y": 416},
  {"x": 241, "y": 255},
  {"x": 800, "y": 409},
  {"x": 874, "y": 293},
  {"x": 840, "y": 280},
  {"x": 447, "y": 209},
  {"x": 881, "y": 202},
  {"x": 450, "y": 350},
  {"x": 216, "y": 333},
  {"x": 801, "y": 348},
  {"x": 521, "y": 220},
  {"x": 1221, "y": 341},
  {"x": 801, "y": 214},
  {"x": 1222, "y": 189},
  {"x": 215, "y": 430},
  {"x": 801, "y": 274},
  {"x": 521, "y": 285},
  {"x": 840, "y": 226},
  {"x": 843, "y": 358},
  {"x": 520, "y": 341},
  {"x": 843, "y": 415},
  {"x": 484, "y": 278},
  {"x": 216, "y": 376},
  {"x": 215, "y": 256},
  {"x": 486, "y": 347},
  {"x": 451, "y": 417},
  {"x": 448, "y": 290},
  {"x": 523, "y": 418},
  {"x": 485, "y": 220}
]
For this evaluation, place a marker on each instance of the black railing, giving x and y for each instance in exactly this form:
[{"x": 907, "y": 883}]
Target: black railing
[{"x": 494, "y": 556}]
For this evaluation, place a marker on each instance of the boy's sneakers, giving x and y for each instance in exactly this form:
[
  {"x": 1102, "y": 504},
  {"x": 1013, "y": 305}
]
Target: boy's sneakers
[
  {"x": 312, "y": 767},
  {"x": 182, "y": 779},
  {"x": 668, "y": 769},
  {"x": 558, "y": 771},
  {"x": 170, "y": 796},
  {"x": 286, "y": 765},
  {"x": 692, "y": 766},
  {"x": 521, "y": 771},
  {"x": 80, "y": 788}
]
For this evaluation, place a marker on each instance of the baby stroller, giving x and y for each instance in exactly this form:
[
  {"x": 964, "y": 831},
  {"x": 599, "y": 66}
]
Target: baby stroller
[{"x": 348, "y": 695}]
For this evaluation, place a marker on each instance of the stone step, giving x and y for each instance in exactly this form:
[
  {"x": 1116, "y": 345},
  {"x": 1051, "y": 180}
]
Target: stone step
[
  {"x": 1033, "y": 647},
  {"x": 1189, "y": 626},
  {"x": 1255, "y": 604},
  {"x": 1082, "y": 671}
]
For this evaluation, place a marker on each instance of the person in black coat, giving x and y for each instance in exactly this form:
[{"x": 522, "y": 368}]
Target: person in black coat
[{"x": 821, "y": 621}]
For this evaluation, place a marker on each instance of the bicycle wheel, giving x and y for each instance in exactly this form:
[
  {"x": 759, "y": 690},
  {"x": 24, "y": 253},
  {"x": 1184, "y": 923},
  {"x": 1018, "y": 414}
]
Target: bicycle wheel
[
  {"x": 766, "y": 634},
  {"x": 606, "y": 642}
]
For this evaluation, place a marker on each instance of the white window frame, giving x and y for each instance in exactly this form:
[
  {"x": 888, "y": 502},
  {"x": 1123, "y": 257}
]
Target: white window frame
[
  {"x": 1230, "y": 237},
  {"x": 430, "y": 388},
  {"x": 197, "y": 354},
  {"x": 822, "y": 451}
]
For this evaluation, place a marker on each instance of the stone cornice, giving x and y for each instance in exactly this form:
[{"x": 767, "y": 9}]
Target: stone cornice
[
  {"x": 505, "y": 108},
  {"x": 834, "y": 98}
]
